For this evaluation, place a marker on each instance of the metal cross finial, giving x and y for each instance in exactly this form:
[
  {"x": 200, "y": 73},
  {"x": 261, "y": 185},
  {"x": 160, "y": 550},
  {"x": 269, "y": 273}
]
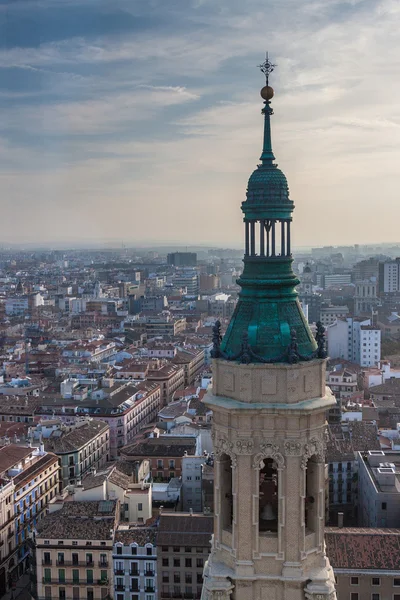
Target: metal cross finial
[{"x": 267, "y": 67}]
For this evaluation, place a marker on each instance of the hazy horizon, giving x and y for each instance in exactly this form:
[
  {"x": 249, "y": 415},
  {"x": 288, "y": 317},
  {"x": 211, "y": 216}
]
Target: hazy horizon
[{"x": 140, "y": 122}]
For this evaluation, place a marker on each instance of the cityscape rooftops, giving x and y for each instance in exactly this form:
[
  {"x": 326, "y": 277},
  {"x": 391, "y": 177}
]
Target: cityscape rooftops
[
  {"x": 62, "y": 442},
  {"x": 12, "y": 455},
  {"x": 135, "y": 535},
  {"x": 363, "y": 549},
  {"x": 167, "y": 445},
  {"x": 80, "y": 520},
  {"x": 185, "y": 529}
]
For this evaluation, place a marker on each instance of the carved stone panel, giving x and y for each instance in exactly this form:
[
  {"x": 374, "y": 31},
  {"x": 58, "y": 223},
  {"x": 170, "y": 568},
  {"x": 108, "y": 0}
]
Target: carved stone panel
[{"x": 269, "y": 384}]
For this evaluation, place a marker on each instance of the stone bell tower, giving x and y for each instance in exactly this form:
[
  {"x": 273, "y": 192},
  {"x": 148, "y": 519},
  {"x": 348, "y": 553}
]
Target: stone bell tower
[{"x": 269, "y": 403}]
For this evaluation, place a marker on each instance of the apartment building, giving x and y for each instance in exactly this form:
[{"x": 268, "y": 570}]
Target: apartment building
[
  {"x": 184, "y": 544},
  {"x": 34, "y": 475},
  {"x": 126, "y": 409},
  {"x": 164, "y": 325},
  {"x": 81, "y": 447},
  {"x": 74, "y": 548},
  {"x": 344, "y": 441},
  {"x": 169, "y": 376},
  {"x": 366, "y": 562},
  {"x": 379, "y": 494},
  {"x": 135, "y": 563},
  {"x": 125, "y": 481},
  {"x": 355, "y": 339},
  {"x": 192, "y": 362},
  {"x": 165, "y": 454},
  {"x": 7, "y": 533}
]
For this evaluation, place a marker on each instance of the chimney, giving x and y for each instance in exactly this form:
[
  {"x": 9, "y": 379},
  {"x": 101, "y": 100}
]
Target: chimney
[
  {"x": 340, "y": 519},
  {"x": 191, "y": 512}
]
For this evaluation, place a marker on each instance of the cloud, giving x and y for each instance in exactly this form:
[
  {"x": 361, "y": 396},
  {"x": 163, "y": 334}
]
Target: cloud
[
  {"x": 107, "y": 114},
  {"x": 153, "y": 134}
]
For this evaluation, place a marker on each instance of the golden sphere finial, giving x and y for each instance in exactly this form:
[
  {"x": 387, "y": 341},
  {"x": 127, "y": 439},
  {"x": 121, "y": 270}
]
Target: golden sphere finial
[{"x": 267, "y": 93}]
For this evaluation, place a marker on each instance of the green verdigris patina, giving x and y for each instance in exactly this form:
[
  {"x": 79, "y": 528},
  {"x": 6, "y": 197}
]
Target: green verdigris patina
[{"x": 268, "y": 324}]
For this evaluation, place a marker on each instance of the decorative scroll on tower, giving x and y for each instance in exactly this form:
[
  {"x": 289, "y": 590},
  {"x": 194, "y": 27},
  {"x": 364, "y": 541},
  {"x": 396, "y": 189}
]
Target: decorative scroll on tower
[{"x": 269, "y": 402}]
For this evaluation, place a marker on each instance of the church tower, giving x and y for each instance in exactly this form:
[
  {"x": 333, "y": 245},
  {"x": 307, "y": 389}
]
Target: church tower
[
  {"x": 269, "y": 403},
  {"x": 306, "y": 285}
]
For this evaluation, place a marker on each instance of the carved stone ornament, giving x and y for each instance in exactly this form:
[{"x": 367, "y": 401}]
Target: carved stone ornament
[
  {"x": 269, "y": 450},
  {"x": 292, "y": 448},
  {"x": 244, "y": 583},
  {"x": 222, "y": 446},
  {"x": 314, "y": 447},
  {"x": 245, "y": 446},
  {"x": 329, "y": 596}
]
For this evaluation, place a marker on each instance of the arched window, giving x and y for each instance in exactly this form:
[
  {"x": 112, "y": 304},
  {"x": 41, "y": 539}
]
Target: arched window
[
  {"x": 311, "y": 499},
  {"x": 268, "y": 496},
  {"x": 225, "y": 472}
]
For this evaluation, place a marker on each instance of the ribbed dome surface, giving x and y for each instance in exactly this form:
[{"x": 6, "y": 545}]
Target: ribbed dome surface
[{"x": 267, "y": 184}]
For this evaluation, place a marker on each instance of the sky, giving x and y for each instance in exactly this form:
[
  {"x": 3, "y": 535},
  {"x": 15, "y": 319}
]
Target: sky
[{"x": 138, "y": 121}]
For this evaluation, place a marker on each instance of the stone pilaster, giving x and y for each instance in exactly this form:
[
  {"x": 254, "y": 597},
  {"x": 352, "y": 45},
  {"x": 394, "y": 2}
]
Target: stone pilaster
[{"x": 275, "y": 415}]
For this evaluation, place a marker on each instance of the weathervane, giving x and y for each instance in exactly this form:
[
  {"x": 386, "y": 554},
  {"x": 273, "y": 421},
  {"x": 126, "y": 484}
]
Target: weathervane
[{"x": 267, "y": 67}]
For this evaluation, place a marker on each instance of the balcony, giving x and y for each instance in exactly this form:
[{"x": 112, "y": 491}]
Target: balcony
[
  {"x": 120, "y": 588},
  {"x": 134, "y": 589},
  {"x": 149, "y": 589},
  {"x": 149, "y": 573},
  {"x": 103, "y": 564},
  {"x": 56, "y": 581},
  {"x": 134, "y": 573},
  {"x": 47, "y": 562},
  {"x": 72, "y": 563},
  {"x": 119, "y": 571},
  {"x": 103, "y": 582}
]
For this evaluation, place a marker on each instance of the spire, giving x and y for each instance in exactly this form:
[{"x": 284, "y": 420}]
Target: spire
[
  {"x": 267, "y": 94},
  {"x": 267, "y": 155},
  {"x": 268, "y": 324}
]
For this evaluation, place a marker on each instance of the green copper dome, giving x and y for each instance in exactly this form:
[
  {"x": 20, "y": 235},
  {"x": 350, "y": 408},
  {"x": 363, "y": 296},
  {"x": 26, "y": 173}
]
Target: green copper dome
[{"x": 268, "y": 324}]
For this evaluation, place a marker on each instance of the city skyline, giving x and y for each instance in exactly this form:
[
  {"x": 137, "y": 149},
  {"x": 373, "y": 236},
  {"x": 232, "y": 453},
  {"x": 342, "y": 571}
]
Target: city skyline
[{"x": 138, "y": 121}]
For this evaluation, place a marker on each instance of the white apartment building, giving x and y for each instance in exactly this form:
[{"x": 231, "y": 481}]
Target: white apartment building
[
  {"x": 135, "y": 563},
  {"x": 192, "y": 482},
  {"x": 355, "y": 340},
  {"x": 378, "y": 494}
]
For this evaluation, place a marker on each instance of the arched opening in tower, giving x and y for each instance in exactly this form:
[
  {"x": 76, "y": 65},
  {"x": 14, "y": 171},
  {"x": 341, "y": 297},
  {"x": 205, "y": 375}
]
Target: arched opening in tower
[
  {"x": 311, "y": 498},
  {"x": 268, "y": 496},
  {"x": 225, "y": 466}
]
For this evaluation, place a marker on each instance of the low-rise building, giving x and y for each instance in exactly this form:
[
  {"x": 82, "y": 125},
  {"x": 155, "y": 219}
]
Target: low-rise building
[
  {"x": 123, "y": 481},
  {"x": 379, "y": 489},
  {"x": 74, "y": 547},
  {"x": 135, "y": 563},
  {"x": 81, "y": 447},
  {"x": 184, "y": 544},
  {"x": 366, "y": 562},
  {"x": 165, "y": 454}
]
